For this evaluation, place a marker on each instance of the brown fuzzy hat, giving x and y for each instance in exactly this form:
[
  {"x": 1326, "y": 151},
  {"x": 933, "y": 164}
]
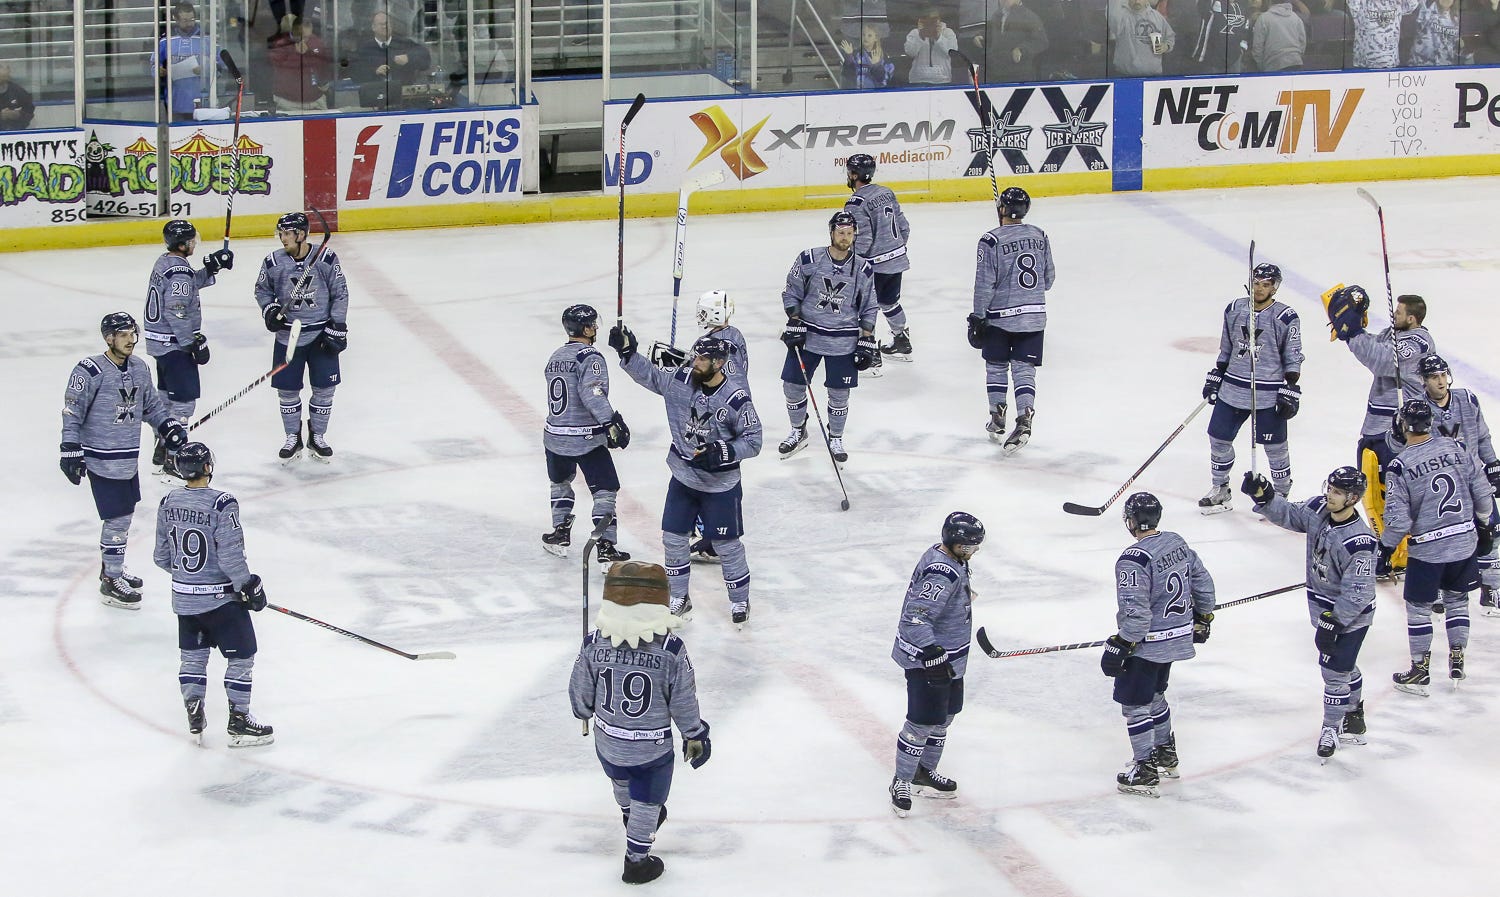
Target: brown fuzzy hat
[{"x": 628, "y": 583}]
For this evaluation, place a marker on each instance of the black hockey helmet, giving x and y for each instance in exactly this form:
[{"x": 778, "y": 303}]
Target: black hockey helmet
[
  {"x": 115, "y": 322},
  {"x": 194, "y": 461},
  {"x": 1014, "y": 203},
  {"x": 1142, "y": 512},
  {"x": 1416, "y": 416},
  {"x": 861, "y": 165},
  {"x": 962, "y": 530},
  {"x": 178, "y": 232},
  {"x": 1349, "y": 480},
  {"x": 712, "y": 348},
  {"x": 1433, "y": 363},
  {"x": 578, "y": 318},
  {"x": 1267, "y": 272},
  {"x": 842, "y": 219},
  {"x": 292, "y": 221}
]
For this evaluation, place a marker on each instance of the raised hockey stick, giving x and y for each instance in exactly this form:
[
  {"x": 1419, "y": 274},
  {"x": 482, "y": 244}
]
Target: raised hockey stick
[
  {"x": 679, "y": 252},
  {"x": 1253, "y": 338},
  {"x": 1087, "y": 511},
  {"x": 588, "y": 550},
  {"x": 985, "y": 645},
  {"x": 292, "y": 336},
  {"x": 843, "y": 505},
  {"x": 239, "y": 99},
  {"x": 429, "y": 655},
  {"x": 982, "y": 107},
  {"x": 630, "y": 114},
  {"x": 1390, "y": 295}
]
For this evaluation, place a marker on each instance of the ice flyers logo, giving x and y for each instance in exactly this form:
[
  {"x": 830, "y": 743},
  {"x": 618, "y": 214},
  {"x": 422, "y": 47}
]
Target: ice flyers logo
[
  {"x": 832, "y": 294},
  {"x": 698, "y": 430},
  {"x": 1074, "y": 129},
  {"x": 125, "y": 408}
]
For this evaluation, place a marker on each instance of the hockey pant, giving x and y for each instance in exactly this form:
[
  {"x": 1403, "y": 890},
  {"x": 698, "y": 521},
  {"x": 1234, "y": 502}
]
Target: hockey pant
[
  {"x": 113, "y": 534},
  {"x": 997, "y": 383},
  {"x": 604, "y": 503},
  {"x": 735, "y": 566},
  {"x": 1369, "y": 462},
  {"x": 1278, "y": 456},
  {"x": 796, "y": 407},
  {"x": 1148, "y": 725},
  {"x": 1419, "y": 623},
  {"x": 192, "y": 677},
  {"x": 920, "y": 745},
  {"x": 1342, "y": 692}
]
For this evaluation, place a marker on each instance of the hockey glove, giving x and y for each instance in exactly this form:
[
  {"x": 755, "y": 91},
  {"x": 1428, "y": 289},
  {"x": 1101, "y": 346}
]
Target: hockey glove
[
  {"x": 198, "y": 348},
  {"x": 1257, "y": 487},
  {"x": 275, "y": 319},
  {"x": 1288, "y": 401},
  {"x": 717, "y": 455},
  {"x": 696, "y": 749},
  {"x": 1486, "y": 532},
  {"x": 173, "y": 434},
  {"x": 335, "y": 336},
  {"x": 1203, "y": 625},
  {"x": 977, "y": 326},
  {"x": 936, "y": 665},
  {"x": 623, "y": 342},
  {"x": 219, "y": 260},
  {"x": 616, "y": 434},
  {"x": 1492, "y": 473},
  {"x": 1328, "y": 632},
  {"x": 1348, "y": 311},
  {"x": 1211, "y": 384},
  {"x": 865, "y": 352},
  {"x": 252, "y": 595},
  {"x": 668, "y": 358},
  {"x": 1116, "y": 649},
  {"x": 1383, "y": 568},
  {"x": 795, "y": 334},
  {"x": 72, "y": 462}
]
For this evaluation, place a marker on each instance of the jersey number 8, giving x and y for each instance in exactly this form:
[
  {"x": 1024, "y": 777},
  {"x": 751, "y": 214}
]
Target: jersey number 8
[{"x": 1026, "y": 271}]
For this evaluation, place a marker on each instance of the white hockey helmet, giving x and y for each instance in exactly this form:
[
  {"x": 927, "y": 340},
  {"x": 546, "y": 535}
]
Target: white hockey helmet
[{"x": 715, "y": 308}]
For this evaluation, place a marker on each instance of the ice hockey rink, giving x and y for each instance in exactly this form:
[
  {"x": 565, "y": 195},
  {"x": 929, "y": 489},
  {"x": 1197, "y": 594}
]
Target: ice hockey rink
[{"x": 469, "y": 777}]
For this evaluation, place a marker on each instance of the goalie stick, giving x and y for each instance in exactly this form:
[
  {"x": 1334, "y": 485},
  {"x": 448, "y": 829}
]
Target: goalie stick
[
  {"x": 1390, "y": 296},
  {"x": 588, "y": 551},
  {"x": 429, "y": 655},
  {"x": 679, "y": 251},
  {"x": 1087, "y": 511}
]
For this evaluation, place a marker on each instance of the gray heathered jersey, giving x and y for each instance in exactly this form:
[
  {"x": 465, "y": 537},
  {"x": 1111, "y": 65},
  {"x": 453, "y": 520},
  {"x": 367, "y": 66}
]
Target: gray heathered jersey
[
  {"x": 1463, "y": 422},
  {"x": 1012, "y": 275},
  {"x": 173, "y": 311},
  {"x": 739, "y": 360},
  {"x": 695, "y": 419},
  {"x": 103, "y": 408},
  {"x": 935, "y": 611},
  {"x": 199, "y": 542},
  {"x": 1340, "y": 559},
  {"x": 881, "y": 231},
  {"x": 1434, "y": 490},
  {"x": 577, "y": 400},
  {"x": 1374, "y": 352},
  {"x": 324, "y": 298},
  {"x": 1159, "y": 583},
  {"x": 634, "y": 696},
  {"x": 1278, "y": 338},
  {"x": 835, "y": 299}
]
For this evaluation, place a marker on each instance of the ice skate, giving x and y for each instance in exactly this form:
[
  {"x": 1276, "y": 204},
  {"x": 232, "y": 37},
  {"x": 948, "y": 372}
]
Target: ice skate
[
  {"x": 836, "y": 446},
  {"x": 1352, "y": 726},
  {"x": 795, "y": 442},
  {"x": 557, "y": 541},
  {"x": 245, "y": 731},
  {"x": 1415, "y": 680},
  {"x": 899, "y": 348},
  {"x": 135, "y": 582},
  {"x": 876, "y": 368},
  {"x": 1489, "y": 601},
  {"x": 321, "y": 450},
  {"x": 608, "y": 554},
  {"x": 681, "y": 608},
  {"x": 995, "y": 426},
  {"x": 703, "y": 552},
  {"x": 1141, "y": 778},
  {"x": 196, "y": 719},
  {"x": 928, "y": 783},
  {"x": 1456, "y": 665},
  {"x": 900, "y": 797},
  {"x": 1164, "y": 758},
  {"x": 291, "y": 450},
  {"x": 739, "y": 614},
  {"x": 1328, "y": 742},
  {"x": 1217, "y": 501},
  {"x": 118, "y": 592},
  {"x": 647, "y": 868},
  {"x": 1021, "y": 434}
]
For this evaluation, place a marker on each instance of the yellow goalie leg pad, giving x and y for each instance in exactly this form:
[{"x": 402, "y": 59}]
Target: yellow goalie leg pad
[{"x": 1375, "y": 504}]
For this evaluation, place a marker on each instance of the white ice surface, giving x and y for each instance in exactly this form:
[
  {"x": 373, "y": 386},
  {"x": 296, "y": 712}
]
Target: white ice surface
[{"x": 469, "y": 777}]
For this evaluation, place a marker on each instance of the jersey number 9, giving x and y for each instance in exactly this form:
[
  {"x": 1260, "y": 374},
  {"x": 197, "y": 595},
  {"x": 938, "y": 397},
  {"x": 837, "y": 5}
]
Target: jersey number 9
[{"x": 557, "y": 396}]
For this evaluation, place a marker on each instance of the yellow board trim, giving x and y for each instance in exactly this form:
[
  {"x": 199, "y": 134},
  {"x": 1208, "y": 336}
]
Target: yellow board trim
[{"x": 1279, "y": 172}]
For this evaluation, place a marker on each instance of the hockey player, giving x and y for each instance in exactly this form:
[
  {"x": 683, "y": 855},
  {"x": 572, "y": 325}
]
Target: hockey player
[
  {"x": 1013, "y": 273},
  {"x": 1276, "y": 366},
  {"x": 108, "y": 397},
  {"x": 932, "y": 647},
  {"x": 1379, "y": 435},
  {"x": 714, "y": 310},
  {"x": 174, "y": 320},
  {"x": 880, "y": 235},
  {"x": 200, "y": 542},
  {"x": 1435, "y": 494},
  {"x": 1166, "y": 601},
  {"x": 321, "y": 303},
  {"x": 633, "y": 676},
  {"x": 714, "y": 427},
  {"x": 580, "y": 430},
  {"x": 1456, "y": 414},
  {"x": 830, "y": 316},
  {"x": 1341, "y": 556}
]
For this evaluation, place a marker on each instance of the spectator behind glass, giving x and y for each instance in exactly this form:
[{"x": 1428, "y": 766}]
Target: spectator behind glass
[
  {"x": 1222, "y": 36},
  {"x": 1437, "y": 34},
  {"x": 928, "y": 45},
  {"x": 383, "y": 63},
  {"x": 866, "y": 68},
  {"x": 302, "y": 70},
  {"x": 1278, "y": 39},
  {"x": 1377, "y": 31},
  {"x": 183, "y": 58},
  {"x": 1481, "y": 21},
  {"x": 1011, "y": 44},
  {"x": 16, "y": 107},
  {"x": 1141, "y": 36}
]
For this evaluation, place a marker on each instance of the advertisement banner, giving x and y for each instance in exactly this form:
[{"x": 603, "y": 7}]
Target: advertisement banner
[
  {"x": 121, "y": 163},
  {"x": 41, "y": 178},
  {"x": 428, "y": 159}
]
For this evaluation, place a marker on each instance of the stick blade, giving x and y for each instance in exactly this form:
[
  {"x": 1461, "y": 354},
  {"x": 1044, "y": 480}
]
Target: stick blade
[
  {"x": 984, "y": 643},
  {"x": 1367, "y": 197},
  {"x": 229, "y": 64},
  {"x": 437, "y": 655},
  {"x": 707, "y": 179},
  {"x": 1081, "y": 510},
  {"x": 635, "y": 108}
]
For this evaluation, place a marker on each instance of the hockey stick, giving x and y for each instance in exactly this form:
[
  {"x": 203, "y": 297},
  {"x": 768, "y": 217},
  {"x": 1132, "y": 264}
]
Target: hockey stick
[
  {"x": 588, "y": 549},
  {"x": 429, "y": 655},
  {"x": 984, "y": 640},
  {"x": 239, "y": 99},
  {"x": 1390, "y": 296},
  {"x": 843, "y": 505},
  {"x": 1254, "y": 346},
  {"x": 630, "y": 114},
  {"x": 985, "y": 111},
  {"x": 1087, "y": 511},
  {"x": 679, "y": 252},
  {"x": 292, "y": 336}
]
